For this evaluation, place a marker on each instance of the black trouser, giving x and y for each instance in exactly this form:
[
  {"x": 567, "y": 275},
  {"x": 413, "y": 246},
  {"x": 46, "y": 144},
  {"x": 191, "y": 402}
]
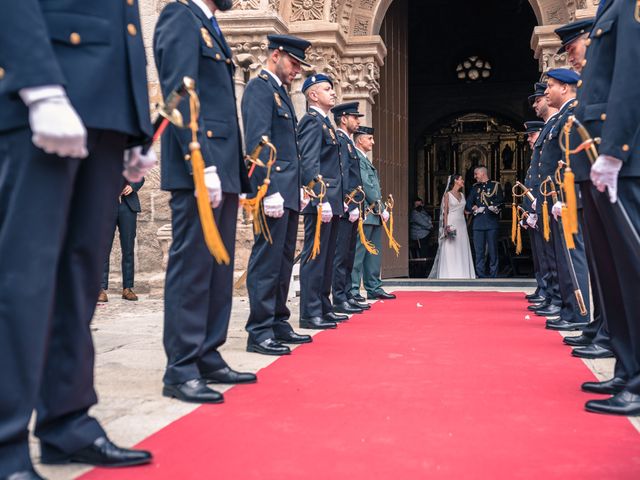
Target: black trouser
[
  {"x": 125, "y": 222},
  {"x": 269, "y": 276},
  {"x": 315, "y": 275},
  {"x": 553, "y": 284},
  {"x": 54, "y": 228},
  {"x": 539, "y": 262},
  {"x": 198, "y": 291},
  {"x": 486, "y": 240},
  {"x": 343, "y": 262}
]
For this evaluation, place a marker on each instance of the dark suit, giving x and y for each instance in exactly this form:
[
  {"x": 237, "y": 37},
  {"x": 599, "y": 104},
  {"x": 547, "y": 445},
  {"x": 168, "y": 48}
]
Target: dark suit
[
  {"x": 267, "y": 110},
  {"x": 320, "y": 155},
  {"x": 608, "y": 108},
  {"x": 126, "y": 219},
  {"x": 485, "y": 225},
  {"x": 347, "y": 231},
  {"x": 198, "y": 291},
  {"x": 54, "y": 212}
]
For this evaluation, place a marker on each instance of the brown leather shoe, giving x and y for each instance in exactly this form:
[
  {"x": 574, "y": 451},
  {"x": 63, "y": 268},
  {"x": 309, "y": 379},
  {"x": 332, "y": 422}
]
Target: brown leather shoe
[
  {"x": 128, "y": 294},
  {"x": 102, "y": 297}
]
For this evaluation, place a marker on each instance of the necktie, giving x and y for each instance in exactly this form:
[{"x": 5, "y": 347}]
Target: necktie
[{"x": 216, "y": 27}]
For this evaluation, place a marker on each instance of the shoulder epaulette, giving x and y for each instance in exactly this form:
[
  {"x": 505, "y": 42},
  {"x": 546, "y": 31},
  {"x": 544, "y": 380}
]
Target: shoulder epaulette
[
  {"x": 263, "y": 76},
  {"x": 184, "y": 2},
  {"x": 313, "y": 113}
]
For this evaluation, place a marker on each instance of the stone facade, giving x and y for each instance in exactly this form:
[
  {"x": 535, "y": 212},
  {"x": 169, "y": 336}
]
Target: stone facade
[{"x": 346, "y": 45}]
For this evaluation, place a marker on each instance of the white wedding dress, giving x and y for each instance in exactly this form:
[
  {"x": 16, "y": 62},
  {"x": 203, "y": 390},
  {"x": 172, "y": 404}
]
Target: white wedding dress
[{"x": 454, "y": 258}]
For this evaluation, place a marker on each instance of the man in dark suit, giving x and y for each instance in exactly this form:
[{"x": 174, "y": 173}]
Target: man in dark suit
[
  {"x": 267, "y": 110},
  {"x": 126, "y": 221},
  {"x": 73, "y": 97},
  {"x": 320, "y": 158},
  {"x": 198, "y": 290},
  {"x": 484, "y": 202},
  {"x": 347, "y": 118},
  {"x": 609, "y": 100}
]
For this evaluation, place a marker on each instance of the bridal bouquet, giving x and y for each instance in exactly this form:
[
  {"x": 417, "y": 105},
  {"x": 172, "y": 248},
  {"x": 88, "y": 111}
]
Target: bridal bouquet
[{"x": 450, "y": 231}]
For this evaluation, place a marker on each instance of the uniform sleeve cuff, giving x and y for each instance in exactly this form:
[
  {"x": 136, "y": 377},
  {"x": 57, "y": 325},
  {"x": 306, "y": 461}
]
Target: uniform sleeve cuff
[{"x": 35, "y": 94}]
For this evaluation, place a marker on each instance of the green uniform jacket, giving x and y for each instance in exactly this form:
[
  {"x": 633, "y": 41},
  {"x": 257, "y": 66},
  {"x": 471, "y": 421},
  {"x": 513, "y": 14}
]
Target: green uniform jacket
[{"x": 371, "y": 186}]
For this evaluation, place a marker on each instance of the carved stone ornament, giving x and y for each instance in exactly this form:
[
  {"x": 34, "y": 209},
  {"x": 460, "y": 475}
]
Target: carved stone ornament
[
  {"x": 246, "y": 4},
  {"x": 359, "y": 78},
  {"x": 304, "y": 10},
  {"x": 274, "y": 5}
]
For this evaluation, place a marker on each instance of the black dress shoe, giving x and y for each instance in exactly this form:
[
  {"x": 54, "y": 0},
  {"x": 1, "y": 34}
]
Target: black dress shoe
[
  {"x": 548, "y": 311},
  {"x": 608, "y": 387},
  {"x": 381, "y": 295},
  {"x": 268, "y": 347},
  {"x": 532, "y": 295},
  {"x": 355, "y": 303},
  {"x": 335, "y": 317},
  {"x": 193, "y": 391},
  {"x": 592, "y": 351},
  {"x": 24, "y": 475},
  {"x": 537, "y": 300},
  {"x": 359, "y": 298},
  {"x": 316, "y": 323},
  {"x": 565, "y": 326},
  {"x": 101, "y": 453},
  {"x": 346, "y": 307},
  {"x": 230, "y": 376},
  {"x": 578, "y": 341},
  {"x": 623, "y": 403},
  {"x": 293, "y": 337}
]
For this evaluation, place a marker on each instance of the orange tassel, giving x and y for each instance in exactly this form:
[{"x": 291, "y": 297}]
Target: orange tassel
[
  {"x": 369, "y": 247},
  {"x": 546, "y": 230},
  {"x": 519, "y": 241},
  {"x": 571, "y": 222},
  {"x": 315, "y": 251},
  {"x": 568, "y": 236},
  {"x": 393, "y": 244},
  {"x": 514, "y": 222}
]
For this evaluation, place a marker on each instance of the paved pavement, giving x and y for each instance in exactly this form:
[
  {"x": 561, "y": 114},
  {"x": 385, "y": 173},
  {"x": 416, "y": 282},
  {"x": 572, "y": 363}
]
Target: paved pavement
[{"x": 130, "y": 362}]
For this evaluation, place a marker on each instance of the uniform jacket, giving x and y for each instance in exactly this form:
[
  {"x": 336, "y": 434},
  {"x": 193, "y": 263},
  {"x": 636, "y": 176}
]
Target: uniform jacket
[
  {"x": 536, "y": 175},
  {"x": 267, "y": 110},
  {"x": 93, "y": 48},
  {"x": 132, "y": 201},
  {"x": 186, "y": 44},
  {"x": 486, "y": 220},
  {"x": 320, "y": 155},
  {"x": 609, "y": 95},
  {"x": 371, "y": 187},
  {"x": 350, "y": 167}
]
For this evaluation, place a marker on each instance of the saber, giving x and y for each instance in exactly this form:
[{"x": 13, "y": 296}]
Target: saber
[
  {"x": 254, "y": 159},
  {"x": 169, "y": 113},
  {"x": 353, "y": 196},
  {"x": 525, "y": 191}
]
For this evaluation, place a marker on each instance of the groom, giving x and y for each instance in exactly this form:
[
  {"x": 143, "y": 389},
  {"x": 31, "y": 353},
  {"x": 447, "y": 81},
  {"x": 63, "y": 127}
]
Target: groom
[{"x": 485, "y": 202}]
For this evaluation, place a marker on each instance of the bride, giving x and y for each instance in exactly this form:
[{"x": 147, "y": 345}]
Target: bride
[{"x": 453, "y": 259}]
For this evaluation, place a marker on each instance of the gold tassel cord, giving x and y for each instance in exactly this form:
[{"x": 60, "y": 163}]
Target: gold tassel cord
[
  {"x": 212, "y": 236},
  {"x": 569, "y": 185},
  {"x": 568, "y": 236},
  {"x": 395, "y": 246},
  {"x": 514, "y": 221},
  {"x": 546, "y": 229},
  {"x": 315, "y": 251},
  {"x": 367, "y": 244},
  {"x": 519, "y": 240}
]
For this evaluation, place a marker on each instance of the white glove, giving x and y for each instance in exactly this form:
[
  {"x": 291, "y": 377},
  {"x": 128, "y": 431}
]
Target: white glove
[
  {"x": 532, "y": 220},
  {"x": 523, "y": 224},
  {"x": 345, "y": 206},
  {"x": 304, "y": 199},
  {"x": 212, "y": 182},
  {"x": 534, "y": 204},
  {"x": 385, "y": 216},
  {"x": 327, "y": 213},
  {"x": 137, "y": 165},
  {"x": 494, "y": 209},
  {"x": 604, "y": 174},
  {"x": 354, "y": 215},
  {"x": 55, "y": 125},
  {"x": 478, "y": 210},
  {"x": 556, "y": 210},
  {"x": 273, "y": 205}
]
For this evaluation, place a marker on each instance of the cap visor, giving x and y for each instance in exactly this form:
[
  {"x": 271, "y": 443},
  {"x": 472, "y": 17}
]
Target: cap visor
[{"x": 306, "y": 64}]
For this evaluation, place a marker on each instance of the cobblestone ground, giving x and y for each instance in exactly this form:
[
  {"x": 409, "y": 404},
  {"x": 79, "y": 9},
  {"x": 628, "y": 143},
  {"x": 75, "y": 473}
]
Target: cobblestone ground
[{"x": 130, "y": 362}]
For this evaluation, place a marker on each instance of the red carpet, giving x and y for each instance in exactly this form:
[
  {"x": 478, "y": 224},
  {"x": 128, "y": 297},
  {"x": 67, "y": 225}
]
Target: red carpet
[{"x": 461, "y": 388}]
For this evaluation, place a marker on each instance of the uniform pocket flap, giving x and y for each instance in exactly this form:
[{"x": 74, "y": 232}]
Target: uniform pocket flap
[
  {"x": 216, "y": 128},
  {"x": 603, "y": 28},
  {"x": 281, "y": 165},
  {"x": 331, "y": 182},
  {"x": 74, "y": 29},
  {"x": 594, "y": 112}
]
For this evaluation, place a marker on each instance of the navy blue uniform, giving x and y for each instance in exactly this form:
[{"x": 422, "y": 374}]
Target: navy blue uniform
[
  {"x": 126, "y": 219},
  {"x": 320, "y": 155},
  {"x": 198, "y": 291},
  {"x": 268, "y": 110},
  {"x": 485, "y": 225},
  {"x": 608, "y": 108},
  {"x": 347, "y": 231},
  {"x": 55, "y": 212}
]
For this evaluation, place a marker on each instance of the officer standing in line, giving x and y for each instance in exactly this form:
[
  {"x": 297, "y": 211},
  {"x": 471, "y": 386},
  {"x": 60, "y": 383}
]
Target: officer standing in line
[
  {"x": 320, "y": 158},
  {"x": 73, "y": 97},
  {"x": 347, "y": 118},
  {"x": 126, "y": 220},
  {"x": 560, "y": 93},
  {"x": 267, "y": 110},
  {"x": 198, "y": 290},
  {"x": 485, "y": 202},
  {"x": 595, "y": 341},
  {"x": 550, "y": 305},
  {"x": 609, "y": 100},
  {"x": 366, "y": 266}
]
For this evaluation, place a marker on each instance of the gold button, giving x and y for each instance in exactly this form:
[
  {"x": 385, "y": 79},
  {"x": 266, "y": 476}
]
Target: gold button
[
  {"x": 131, "y": 28},
  {"x": 327, "y": 184},
  {"x": 228, "y": 60},
  {"x": 209, "y": 133},
  {"x": 598, "y": 32},
  {"x": 130, "y": 2},
  {"x": 625, "y": 148},
  {"x": 575, "y": 103},
  {"x": 218, "y": 57},
  {"x": 187, "y": 157},
  {"x": 588, "y": 42},
  {"x": 579, "y": 83},
  {"x": 1, "y": 73},
  {"x": 603, "y": 117},
  {"x": 75, "y": 38},
  {"x": 598, "y": 140},
  {"x": 286, "y": 115},
  {"x": 277, "y": 169},
  {"x": 584, "y": 62}
]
